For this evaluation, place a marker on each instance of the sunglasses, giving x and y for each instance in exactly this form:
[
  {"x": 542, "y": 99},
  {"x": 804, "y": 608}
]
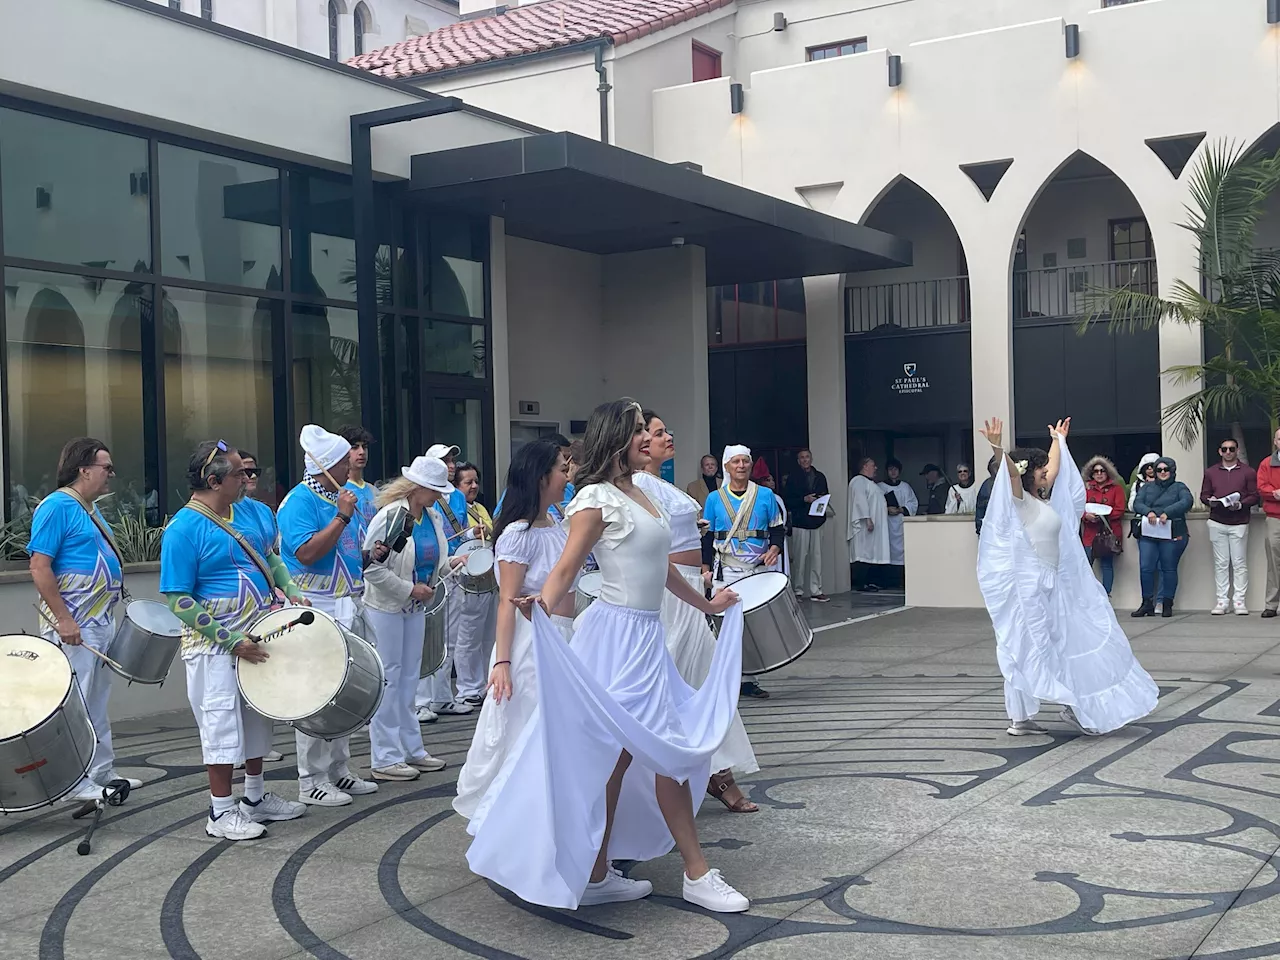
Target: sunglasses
[
  {"x": 252, "y": 472},
  {"x": 219, "y": 447},
  {"x": 1099, "y": 469},
  {"x": 1226, "y": 449},
  {"x": 1162, "y": 469}
]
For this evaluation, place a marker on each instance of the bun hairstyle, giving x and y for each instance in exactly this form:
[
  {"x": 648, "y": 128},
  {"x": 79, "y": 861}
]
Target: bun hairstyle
[{"x": 607, "y": 440}]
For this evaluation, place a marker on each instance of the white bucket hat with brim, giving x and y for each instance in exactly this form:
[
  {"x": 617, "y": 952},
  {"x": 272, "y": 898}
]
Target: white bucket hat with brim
[{"x": 428, "y": 472}]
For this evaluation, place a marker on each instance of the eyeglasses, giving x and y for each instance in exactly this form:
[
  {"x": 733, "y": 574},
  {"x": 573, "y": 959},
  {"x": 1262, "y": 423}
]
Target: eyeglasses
[
  {"x": 1100, "y": 470},
  {"x": 252, "y": 472},
  {"x": 219, "y": 447}
]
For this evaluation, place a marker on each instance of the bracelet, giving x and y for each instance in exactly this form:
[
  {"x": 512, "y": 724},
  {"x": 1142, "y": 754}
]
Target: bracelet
[
  {"x": 500, "y": 662},
  {"x": 344, "y": 518}
]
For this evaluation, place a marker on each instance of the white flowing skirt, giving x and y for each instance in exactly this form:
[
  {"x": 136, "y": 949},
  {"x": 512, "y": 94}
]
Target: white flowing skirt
[
  {"x": 692, "y": 647},
  {"x": 539, "y": 826},
  {"x": 501, "y": 724}
]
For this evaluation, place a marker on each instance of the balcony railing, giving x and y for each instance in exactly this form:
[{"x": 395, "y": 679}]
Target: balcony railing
[
  {"x": 1072, "y": 291},
  {"x": 911, "y": 305}
]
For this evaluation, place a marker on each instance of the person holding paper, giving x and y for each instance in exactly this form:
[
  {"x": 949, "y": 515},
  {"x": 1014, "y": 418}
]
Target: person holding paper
[
  {"x": 802, "y": 491},
  {"x": 1162, "y": 504},
  {"x": 1230, "y": 491}
]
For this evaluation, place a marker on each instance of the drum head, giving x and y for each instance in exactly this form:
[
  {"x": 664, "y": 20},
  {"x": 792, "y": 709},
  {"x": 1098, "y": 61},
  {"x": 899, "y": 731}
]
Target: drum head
[
  {"x": 307, "y": 665},
  {"x": 154, "y": 617},
  {"x": 479, "y": 562},
  {"x": 468, "y": 547},
  {"x": 34, "y": 679},
  {"x": 589, "y": 583},
  {"x": 759, "y": 588}
]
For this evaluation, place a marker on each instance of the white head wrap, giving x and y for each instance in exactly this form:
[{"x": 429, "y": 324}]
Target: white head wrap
[
  {"x": 735, "y": 450},
  {"x": 322, "y": 448}
]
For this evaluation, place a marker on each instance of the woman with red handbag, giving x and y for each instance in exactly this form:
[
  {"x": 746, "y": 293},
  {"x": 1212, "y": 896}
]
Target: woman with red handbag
[{"x": 1102, "y": 535}]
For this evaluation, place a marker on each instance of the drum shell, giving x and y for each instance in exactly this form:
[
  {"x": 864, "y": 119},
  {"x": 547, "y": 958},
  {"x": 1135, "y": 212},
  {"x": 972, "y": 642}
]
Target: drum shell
[
  {"x": 582, "y": 598},
  {"x": 60, "y": 749},
  {"x": 433, "y": 643},
  {"x": 144, "y": 656},
  {"x": 774, "y": 634},
  {"x": 485, "y": 583}
]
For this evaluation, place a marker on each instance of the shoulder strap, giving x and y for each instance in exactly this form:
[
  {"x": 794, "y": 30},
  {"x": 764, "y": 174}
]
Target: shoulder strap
[
  {"x": 99, "y": 523},
  {"x": 448, "y": 512},
  {"x": 236, "y": 535},
  {"x": 741, "y": 518}
]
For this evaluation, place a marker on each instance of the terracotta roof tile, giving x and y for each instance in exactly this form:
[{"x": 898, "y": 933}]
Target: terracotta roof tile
[{"x": 531, "y": 28}]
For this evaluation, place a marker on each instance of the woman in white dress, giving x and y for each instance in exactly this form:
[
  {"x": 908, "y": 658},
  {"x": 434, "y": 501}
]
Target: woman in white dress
[
  {"x": 545, "y": 829},
  {"x": 689, "y": 638},
  {"x": 528, "y": 542},
  {"x": 1057, "y": 637}
]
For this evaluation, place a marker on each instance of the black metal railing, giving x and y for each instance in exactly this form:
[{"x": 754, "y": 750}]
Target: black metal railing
[
  {"x": 910, "y": 305},
  {"x": 1073, "y": 291}
]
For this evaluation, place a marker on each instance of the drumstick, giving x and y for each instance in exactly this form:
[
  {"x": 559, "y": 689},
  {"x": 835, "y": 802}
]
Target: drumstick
[{"x": 97, "y": 653}]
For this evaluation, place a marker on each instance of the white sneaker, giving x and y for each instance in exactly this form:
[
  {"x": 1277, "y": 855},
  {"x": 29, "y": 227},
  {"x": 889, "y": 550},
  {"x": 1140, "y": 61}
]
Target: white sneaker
[
  {"x": 1239, "y": 609},
  {"x": 711, "y": 892},
  {"x": 88, "y": 790},
  {"x": 271, "y": 808},
  {"x": 427, "y": 715},
  {"x": 324, "y": 795},
  {"x": 350, "y": 783},
  {"x": 1219, "y": 608},
  {"x": 397, "y": 771},
  {"x": 1069, "y": 718},
  {"x": 134, "y": 782},
  {"x": 273, "y": 756},
  {"x": 615, "y": 888},
  {"x": 427, "y": 764},
  {"x": 1023, "y": 728},
  {"x": 455, "y": 708},
  {"x": 233, "y": 825}
]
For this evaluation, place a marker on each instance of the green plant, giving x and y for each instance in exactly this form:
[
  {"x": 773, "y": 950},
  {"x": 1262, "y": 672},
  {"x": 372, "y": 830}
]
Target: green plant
[
  {"x": 138, "y": 542},
  {"x": 1237, "y": 301},
  {"x": 15, "y": 534}
]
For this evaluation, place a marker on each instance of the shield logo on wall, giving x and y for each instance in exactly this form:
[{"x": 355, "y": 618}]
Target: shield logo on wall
[{"x": 909, "y": 369}]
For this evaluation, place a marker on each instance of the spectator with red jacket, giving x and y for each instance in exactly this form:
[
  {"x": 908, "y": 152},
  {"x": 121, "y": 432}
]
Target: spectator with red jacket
[
  {"x": 1102, "y": 484},
  {"x": 1269, "y": 494},
  {"x": 1230, "y": 491}
]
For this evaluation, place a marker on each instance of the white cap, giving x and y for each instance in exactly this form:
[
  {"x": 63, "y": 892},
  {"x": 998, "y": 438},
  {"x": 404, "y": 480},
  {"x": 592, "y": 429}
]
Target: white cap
[
  {"x": 429, "y": 472},
  {"x": 735, "y": 450},
  {"x": 441, "y": 451},
  {"x": 322, "y": 448}
]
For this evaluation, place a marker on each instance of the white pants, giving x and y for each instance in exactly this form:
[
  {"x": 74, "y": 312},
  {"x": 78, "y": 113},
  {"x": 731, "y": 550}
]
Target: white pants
[
  {"x": 230, "y": 730},
  {"x": 806, "y": 560},
  {"x": 1230, "y": 544},
  {"x": 394, "y": 733},
  {"x": 325, "y": 761},
  {"x": 1018, "y": 705},
  {"x": 94, "y": 680},
  {"x": 471, "y": 628}
]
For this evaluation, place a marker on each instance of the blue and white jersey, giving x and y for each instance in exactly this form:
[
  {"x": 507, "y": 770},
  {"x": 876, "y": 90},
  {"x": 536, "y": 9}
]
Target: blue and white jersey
[
  {"x": 87, "y": 569},
  {"x": 749, "y": 548},
  {"x": 304, "y": 512}
]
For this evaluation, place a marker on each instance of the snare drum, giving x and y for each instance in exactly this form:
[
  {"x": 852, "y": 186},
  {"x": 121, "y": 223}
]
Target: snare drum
[
  {"x": 476, "y": 575},
  {"x": 774, "y": 632},
  {"x": 433, "y": 647},
  {"x": 587, "y": 591},
  {"x": 146, "y": 642},
  {"x": 321, "y": 678},
  {"x": 46, "y": 738}
]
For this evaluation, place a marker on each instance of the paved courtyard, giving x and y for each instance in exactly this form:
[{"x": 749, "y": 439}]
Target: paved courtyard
[{"x": 898, "y": 821}]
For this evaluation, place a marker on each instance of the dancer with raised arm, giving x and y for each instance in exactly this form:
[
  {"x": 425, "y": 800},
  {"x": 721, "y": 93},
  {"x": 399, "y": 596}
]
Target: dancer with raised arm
[
  {"x": 546, "y": 828},
  {"x": 1057, "y": 638}
]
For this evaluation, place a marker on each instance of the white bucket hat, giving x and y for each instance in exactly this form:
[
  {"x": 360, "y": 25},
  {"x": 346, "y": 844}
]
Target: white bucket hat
[
  {"x": 439, "y": 451},
  {"x": 429, "y": 472}
]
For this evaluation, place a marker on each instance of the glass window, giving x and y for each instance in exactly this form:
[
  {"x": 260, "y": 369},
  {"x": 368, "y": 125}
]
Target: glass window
[
  {"x": 326, "y": 366},
  {"x": 361, "y": 27},
  {"x": 74, "y": 194},
  {"x": 75, "y": 370},
  {"x": 455, "y": 274},
  {"x": 459, "y": 422},
  {"x": 333, "y": 30},
  {"x": 219, "y": 219},
  {"x": 206, "y": 11},
  {"x": 218, "y": 385},
  {"x": 842, "y": 49},
  {"x": 323, "y": 231},
  {"x": 452, "y": 348}
]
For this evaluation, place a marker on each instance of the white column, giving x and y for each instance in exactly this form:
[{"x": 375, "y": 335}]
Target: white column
[
  {"x": 1179, "y": 344},
  {"x": 990, "y": 343},
  {"x": 828, "y": 416},
  {"x": 497, "y": 347}
]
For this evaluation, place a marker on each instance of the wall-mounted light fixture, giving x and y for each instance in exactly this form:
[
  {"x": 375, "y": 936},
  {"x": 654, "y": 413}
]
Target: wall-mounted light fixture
[
  {"x": 737, "y": 98},
  {"x": 1073, "y": 38},
  {"x": 779, "y": 22},
  {"x": 895, "y": 71},
  {"x": 1273, "y": 11}
]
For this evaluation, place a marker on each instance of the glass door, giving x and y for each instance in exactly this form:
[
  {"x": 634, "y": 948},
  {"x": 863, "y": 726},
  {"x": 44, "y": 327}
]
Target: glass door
[{"x": 461, "y": 417}]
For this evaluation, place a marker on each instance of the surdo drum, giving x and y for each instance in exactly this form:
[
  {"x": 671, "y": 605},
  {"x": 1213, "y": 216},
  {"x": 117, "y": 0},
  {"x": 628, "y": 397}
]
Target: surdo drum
[
  {"x": 46, "y": 738},
  {"x": 146, "y": 642},
  {"x": 320, "y": 677},
  {"x": 774, "y": 632},
  {"x": 586, "y": 592},
  {"x": 433, "y": 646},
  {"x": 476, "y": 575}
]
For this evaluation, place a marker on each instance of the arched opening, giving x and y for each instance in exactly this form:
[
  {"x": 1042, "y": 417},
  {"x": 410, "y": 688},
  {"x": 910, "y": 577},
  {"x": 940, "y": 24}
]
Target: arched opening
[
  {"x": 54, "y": 395},
  {"x": 363, "y": 24},
  {"x": 907, "y": 355},
  {"x": 1085, "y": 232},
  {"x": 333, "y": 30}
]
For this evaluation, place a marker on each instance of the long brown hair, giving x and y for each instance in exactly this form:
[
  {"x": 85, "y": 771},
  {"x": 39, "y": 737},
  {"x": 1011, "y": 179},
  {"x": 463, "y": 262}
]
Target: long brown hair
[
  {"x": 78, "y": 453},
  {"x": 608, "y": 437}
]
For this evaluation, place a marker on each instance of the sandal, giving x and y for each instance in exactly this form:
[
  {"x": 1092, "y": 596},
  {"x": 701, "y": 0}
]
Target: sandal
[{"x": 719, "y": 783}]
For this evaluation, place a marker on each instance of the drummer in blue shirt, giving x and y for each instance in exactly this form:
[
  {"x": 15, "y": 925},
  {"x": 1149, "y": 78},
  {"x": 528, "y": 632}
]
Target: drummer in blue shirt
[{"x": 321, "y": 536}]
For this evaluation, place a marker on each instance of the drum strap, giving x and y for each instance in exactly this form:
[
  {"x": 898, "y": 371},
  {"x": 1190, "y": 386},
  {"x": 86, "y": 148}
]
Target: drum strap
[
  {"x": 100, "y": 524},
  {"x": 448, "y": 513},
  {"x": 236, "y": 535},
  {"x": 741, "y": 517}
]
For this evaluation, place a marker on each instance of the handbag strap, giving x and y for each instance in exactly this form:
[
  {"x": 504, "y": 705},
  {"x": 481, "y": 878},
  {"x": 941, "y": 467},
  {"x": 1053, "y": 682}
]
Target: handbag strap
[{"x": 236, "y": 535}]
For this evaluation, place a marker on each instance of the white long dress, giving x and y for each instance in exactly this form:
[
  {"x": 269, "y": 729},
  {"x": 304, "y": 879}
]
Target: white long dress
[
  {"x": 1057, "y": 638},
  {"x": 689, "y": 639},
  {"x": 539, "y": 826},
  {"x": 906, "y": 497},
  {"x": 500, "y": 724},
  {"x": 867, "y": 544}
]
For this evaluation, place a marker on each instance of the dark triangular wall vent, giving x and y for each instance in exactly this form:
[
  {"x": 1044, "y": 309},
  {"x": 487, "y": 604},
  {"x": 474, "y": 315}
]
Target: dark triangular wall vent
[
  {"x": 986, "y": 176},
  {"x": 1174, "y": 152}
]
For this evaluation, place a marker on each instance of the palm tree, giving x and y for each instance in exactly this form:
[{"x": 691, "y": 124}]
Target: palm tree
[{"x": 1237, "y": 303}]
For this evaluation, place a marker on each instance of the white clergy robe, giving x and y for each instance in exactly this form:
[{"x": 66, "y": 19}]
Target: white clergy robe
[
  {"x": 907, "y": 499},
  {"x": 868, "y": 541}
]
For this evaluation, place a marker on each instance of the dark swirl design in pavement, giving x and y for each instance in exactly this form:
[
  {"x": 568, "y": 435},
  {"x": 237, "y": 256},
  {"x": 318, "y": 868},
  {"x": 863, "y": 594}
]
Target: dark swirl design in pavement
[{"x": 891, "y": 807}]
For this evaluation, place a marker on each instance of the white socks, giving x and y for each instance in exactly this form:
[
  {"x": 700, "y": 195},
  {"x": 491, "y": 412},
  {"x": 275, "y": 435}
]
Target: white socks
[
  {"x": 221, "y": 805},
  {"x": 253, "y": 788}
]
